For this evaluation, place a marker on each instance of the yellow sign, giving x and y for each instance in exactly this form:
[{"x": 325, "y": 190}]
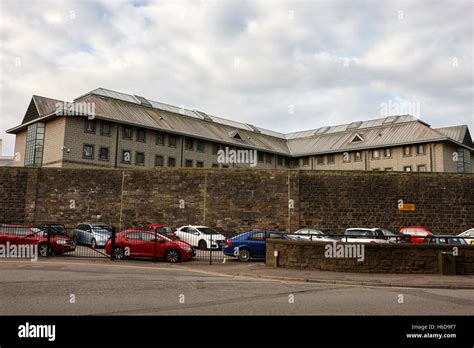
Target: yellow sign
[{"x": 407, "y": 207}]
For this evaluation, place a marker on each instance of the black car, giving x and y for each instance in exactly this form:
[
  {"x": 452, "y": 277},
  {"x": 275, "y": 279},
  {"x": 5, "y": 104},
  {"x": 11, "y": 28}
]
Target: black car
[
  {"x": 54, "y": 229},
  {"x": 395, "y": 236}
]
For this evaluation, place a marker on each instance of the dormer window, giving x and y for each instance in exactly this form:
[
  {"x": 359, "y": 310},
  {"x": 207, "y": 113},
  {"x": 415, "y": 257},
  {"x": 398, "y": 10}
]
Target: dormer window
[
  {"x": 357, "y": 139},
  {"x": 235, "y": 135}
]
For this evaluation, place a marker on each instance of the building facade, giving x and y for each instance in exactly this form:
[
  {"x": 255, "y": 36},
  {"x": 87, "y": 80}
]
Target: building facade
[{"x": 107, "y": 129}]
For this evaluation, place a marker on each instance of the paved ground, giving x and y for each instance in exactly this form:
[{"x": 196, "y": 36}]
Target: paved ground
[{"x": 130, "y": 288}]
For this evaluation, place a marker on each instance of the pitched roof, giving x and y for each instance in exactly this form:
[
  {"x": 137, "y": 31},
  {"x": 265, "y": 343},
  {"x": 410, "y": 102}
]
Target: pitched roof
[{"x": 141, "y": 112}]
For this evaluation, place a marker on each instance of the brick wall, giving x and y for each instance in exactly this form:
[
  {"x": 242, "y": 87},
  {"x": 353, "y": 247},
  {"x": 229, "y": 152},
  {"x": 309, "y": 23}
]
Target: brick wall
[
  {"x": 391, "y": 258},
  {"x": 235, "y": 200}
]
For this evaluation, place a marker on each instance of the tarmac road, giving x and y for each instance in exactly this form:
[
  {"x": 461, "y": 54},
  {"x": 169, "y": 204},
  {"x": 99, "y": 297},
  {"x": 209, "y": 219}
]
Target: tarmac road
[{"x": 142, "y": 288}]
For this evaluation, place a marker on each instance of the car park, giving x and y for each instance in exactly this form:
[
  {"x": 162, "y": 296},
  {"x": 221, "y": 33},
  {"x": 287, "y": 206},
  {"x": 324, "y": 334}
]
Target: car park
[
  {"x": 202, "y": 237},
  {"x": 468, "y": 236},
  {"x": 365, "y": 235},
  {"x": 395, "y": 236},
  {"x": 251, "y": 244},
  {"x": 417, "y": 233},
  {"x": 93, "y": 234},
  {"x": 22, "y": 235},
  {"x": 445, "y": 239},
  {"x": 149, "y": 244},
  {"x": 312, "y": 235}
]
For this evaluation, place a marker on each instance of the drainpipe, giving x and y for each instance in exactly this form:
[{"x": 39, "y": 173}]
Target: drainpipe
[
  {"x": 431, "y": 157},
  {"x": 182, "y": 151},
  {"x": 366, "y": 160},
  {"x": 117, "y": 145}
]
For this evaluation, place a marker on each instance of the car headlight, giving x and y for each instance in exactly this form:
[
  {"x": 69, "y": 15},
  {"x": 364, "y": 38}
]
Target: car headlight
[{"x": 62, "y": 242}]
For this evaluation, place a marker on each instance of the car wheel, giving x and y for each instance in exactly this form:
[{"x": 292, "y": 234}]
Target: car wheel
[
  {"x": 202, "y": 244},
  {"x": 119, "y": 253},
  {"x": 244, "y": 255},
  {"x": 93, "y": 244},
  {"x": 172, "y": 256},
  {"x": 43, "y": 250}
]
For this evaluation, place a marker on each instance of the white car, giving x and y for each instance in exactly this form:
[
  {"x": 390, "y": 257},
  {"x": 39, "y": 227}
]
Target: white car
[
  {"x": 202, "y": 237},
  {"x": 365, "y": 235},
  {"x": 469, "y": 236},
  {"x": 311, "y": 234}
]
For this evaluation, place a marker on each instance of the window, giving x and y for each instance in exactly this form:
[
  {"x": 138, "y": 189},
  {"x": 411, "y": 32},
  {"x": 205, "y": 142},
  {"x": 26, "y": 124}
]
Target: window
[
  {"x": 200, "y": 164},
  {"x": 188, "y": 163},
  {"x": 200, "y": 146},
  {"x": 104, "y": 153},
  {"x": 421, "y": 168},
  {"x": 330, "y": 159},
  {"x": 34, "y": 145},
  {"x": 88, "y": 151},
  {"x": 407, "y": 151},
  {"x": 89, "y": 126},
  {"x": 158, "y": 161},
  {"x": 172, "y": 140},
  {"x": 420, "y": 149},
  {"x": 375, "y": 154},
  {"x": 215, "y": 148},
  {"x": 375, "y": 169},
  {"x": 171, "y": 162},
  {"x": 126, "y": 157},
  {"x": 160, "y": 138},
  {"x": 257, "y": 236},
  {"x": 127, "y": 132},
  {"x": 189, "y": 144},
  {"x": 320, "y": 160},
  {"x": 268, "y": 158},
  {"x": 388, "y": 153},
  {"x": 140, "y": 159},
  {"x": 105, "y": 128},
  {"x": 388, "y": 169},
  {"x": 260, "y": 157},
  {"x": 215, "y": 165},
  {"x": 280, "y": 160},
  {"x": 407, "y": 169},
  {"x": 357, "y": 138},
  {"x": 141, "y": 135},
  {"x": 225, "y": 166},
  {"x": 357, "y": 156}
]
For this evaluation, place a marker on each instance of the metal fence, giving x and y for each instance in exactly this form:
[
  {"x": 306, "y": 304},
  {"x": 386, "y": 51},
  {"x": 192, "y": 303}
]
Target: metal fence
[{"x": 103, "y": 241}]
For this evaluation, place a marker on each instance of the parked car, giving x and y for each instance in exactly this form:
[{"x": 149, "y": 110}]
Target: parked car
[
  {"x": 418, "y": 233},
  {"x": 159, "y": 228},
  {"x": 365, "y": 235},
  {"x": 93, "y": 234},
  {"x": 251, "y": 244},
  {"x": 395, "y": 236},
  {"x": 444, "y": 239},
  {"x": 53, "y": 229},
  {"x": 149, "y": 244},
  {"x": 20, "y": 235},
  {"x": 311, "y": 234},
  {"x": 202, "y": 237},
  {"x": 468, "y": 236}
]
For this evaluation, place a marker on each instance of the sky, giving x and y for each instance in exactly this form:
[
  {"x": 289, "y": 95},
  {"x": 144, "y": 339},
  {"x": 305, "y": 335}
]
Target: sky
[{"x": 280, "y": 65}]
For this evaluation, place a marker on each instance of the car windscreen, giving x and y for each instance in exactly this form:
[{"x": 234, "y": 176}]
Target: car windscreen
[
  {"x": 101, "y": 227},
  {"x": 207, "y": 230},
  {"x": 358, "y": 233}
]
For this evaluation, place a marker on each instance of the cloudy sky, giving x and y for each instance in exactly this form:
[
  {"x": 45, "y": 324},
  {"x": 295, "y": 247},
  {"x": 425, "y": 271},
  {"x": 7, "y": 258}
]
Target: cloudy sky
[{"x": 280, "y": 65}]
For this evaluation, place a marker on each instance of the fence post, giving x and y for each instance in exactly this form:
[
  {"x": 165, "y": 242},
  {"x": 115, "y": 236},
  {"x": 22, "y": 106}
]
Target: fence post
[
  {"x": 49, "y": 240},
  {"x": 154, "y": 247},
  {"x": 112, "y": 244},
  {"x": 210, "y": 252}
]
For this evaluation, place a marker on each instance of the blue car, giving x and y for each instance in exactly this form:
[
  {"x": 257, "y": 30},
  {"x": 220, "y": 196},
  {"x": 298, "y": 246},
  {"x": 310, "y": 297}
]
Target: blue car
[{"x": 251, "y": 245}]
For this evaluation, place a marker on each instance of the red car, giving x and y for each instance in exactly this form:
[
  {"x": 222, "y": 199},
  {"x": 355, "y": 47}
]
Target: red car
[
  {"x": 20, "y": 235},
  {"x": 416, "y": 231},
  {"x": 159, "y": 228},
  {"x": 148, "y": 244}
]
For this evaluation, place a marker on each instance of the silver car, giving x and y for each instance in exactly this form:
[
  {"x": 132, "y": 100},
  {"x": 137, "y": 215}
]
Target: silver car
[
  {"x": 311, "y": 234},
  {"x": 93, "y": 234}
]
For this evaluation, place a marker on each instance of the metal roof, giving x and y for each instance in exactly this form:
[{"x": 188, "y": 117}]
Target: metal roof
[{"x": 146, "y": 113}]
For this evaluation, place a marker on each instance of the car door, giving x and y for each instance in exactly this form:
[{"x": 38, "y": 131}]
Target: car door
[
  {"x": 79, "y": 233},
  {"x": 150, "y": 246},
  {"x": 256, "y": 243},
  {"x": 183, "y": 234},
  {"x": 194, "y": 236},
  {"x": 133, "y": 242}
]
